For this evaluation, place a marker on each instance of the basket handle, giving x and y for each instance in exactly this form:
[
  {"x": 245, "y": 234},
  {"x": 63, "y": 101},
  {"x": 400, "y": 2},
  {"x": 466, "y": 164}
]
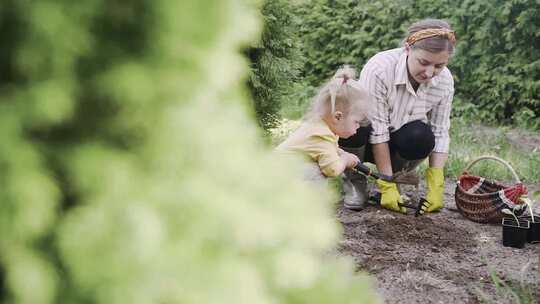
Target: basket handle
[{"x": 502, "y": 161}]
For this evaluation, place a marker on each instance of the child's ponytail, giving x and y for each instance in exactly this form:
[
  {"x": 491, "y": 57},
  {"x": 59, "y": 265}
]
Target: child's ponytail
[
  {"x": 339, "y": 82},
  {"x": 337, "y": 89}
]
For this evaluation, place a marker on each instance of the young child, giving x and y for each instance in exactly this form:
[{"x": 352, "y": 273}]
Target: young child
[{"x": 337, "y": 111}]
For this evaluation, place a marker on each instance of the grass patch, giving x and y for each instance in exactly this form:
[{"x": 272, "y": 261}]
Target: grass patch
[{"x": 471, "y": 141}]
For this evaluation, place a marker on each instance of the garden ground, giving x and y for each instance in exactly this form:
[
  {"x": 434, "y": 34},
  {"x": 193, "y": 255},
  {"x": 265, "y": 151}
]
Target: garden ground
[{"x": 440, "y": 257}]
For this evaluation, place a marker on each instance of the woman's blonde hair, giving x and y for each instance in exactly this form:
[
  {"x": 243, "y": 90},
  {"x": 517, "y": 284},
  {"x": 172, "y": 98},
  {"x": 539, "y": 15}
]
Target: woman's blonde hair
[{"x": 342, "y": 92}]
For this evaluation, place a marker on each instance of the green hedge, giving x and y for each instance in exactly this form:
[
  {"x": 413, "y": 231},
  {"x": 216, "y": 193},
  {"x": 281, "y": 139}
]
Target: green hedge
[
  {"x": 496, "y": 65},
  {"x": 276, "y": 61}
]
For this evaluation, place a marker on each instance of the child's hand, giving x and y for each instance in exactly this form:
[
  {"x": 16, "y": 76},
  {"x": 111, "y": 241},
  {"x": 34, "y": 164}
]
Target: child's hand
[{"x": 351, "y": 160}]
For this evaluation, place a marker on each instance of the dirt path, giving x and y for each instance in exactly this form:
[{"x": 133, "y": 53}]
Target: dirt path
[{"x": 437, "y": 258}]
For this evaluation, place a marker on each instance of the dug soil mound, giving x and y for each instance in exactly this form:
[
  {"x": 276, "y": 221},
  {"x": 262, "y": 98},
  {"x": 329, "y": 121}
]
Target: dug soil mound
[{"x": 438, "y": 258}]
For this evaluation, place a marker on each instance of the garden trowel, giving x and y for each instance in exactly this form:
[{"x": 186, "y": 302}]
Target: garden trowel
[{"x": 402, "y": 177}]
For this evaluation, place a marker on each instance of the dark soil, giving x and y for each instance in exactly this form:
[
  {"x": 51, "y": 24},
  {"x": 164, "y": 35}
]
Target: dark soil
[{"x": 440, "y": 257}]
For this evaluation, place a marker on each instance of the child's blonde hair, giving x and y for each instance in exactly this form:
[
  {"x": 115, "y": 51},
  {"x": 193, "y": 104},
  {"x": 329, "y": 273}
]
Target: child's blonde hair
[{"x": 341, "y": 93}]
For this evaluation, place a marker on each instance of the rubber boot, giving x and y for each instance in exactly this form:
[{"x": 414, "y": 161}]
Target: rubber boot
[{"x": 355, "y": 195}]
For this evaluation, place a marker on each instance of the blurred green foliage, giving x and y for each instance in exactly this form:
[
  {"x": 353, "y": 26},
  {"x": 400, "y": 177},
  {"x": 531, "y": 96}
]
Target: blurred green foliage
[
  {"x": 133, "y": 173},
  {"x": 496, "y": 65}
]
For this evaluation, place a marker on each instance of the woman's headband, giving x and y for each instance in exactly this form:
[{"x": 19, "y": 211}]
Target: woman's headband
[{"x": 432, "y": 32}]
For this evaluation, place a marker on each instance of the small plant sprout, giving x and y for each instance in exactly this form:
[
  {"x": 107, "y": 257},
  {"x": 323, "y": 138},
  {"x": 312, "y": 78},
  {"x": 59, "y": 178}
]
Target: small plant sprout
[
  {"x": 531, "y": 203},
  {"x": 512, "y": 213}
]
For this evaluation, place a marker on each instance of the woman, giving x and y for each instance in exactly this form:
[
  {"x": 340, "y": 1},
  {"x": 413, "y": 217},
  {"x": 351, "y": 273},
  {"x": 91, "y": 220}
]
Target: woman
[{"x": 411, "y": 92}]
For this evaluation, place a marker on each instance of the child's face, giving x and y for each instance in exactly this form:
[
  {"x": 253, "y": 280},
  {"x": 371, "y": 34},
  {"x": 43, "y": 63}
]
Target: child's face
[{"x": 346, "y": 124}]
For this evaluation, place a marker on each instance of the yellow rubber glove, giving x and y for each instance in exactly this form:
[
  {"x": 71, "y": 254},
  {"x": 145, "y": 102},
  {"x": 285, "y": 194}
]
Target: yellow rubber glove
[
  {"x": 390, "y": 198},
  {"x": 435, "y": 189}
]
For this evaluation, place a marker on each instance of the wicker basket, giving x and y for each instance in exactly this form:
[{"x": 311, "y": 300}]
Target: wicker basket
[{"x": 481, "y": 200}]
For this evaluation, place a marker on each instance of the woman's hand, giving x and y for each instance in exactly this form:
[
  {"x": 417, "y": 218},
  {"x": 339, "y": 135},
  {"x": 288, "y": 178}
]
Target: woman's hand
[
  {"x": 435, "y": 185},
  {"x": 390, "y": 197}
]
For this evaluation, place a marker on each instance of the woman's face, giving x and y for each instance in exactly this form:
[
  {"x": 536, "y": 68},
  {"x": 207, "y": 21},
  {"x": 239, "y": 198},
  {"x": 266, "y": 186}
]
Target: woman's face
[{"x": 424, "y": 65}]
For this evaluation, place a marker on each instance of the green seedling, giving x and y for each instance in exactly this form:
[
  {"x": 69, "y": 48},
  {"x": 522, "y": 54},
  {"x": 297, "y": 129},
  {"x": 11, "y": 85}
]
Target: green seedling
[
  {"x": 512, "y": 212},
  {"x": 531, "y": 203}
]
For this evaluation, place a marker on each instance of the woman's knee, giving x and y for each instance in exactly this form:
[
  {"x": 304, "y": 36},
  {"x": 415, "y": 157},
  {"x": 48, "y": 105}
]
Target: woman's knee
[{"x": 414, "y": 140}]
